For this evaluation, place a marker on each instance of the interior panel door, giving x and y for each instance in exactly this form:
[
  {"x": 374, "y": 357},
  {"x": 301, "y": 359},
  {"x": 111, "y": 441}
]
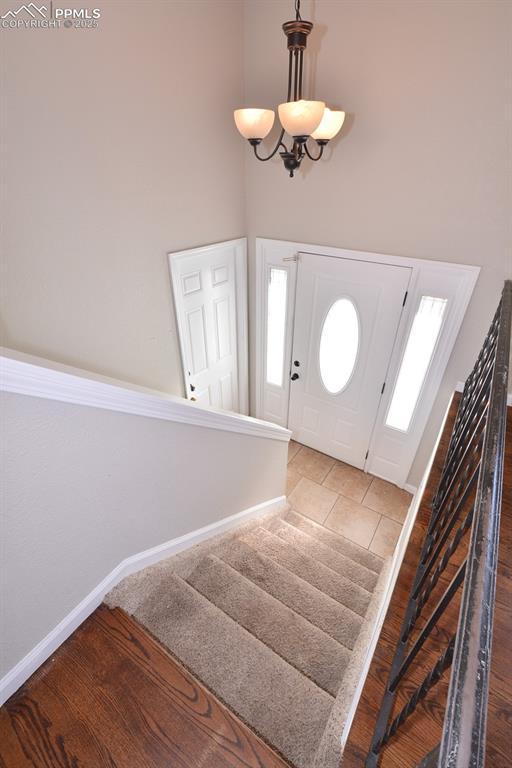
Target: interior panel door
[
  {"x": 205, "y": 290},
  {"x": 346, "y": 319}
]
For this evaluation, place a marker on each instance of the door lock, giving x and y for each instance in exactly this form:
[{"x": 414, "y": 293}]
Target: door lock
[{"x": 294, "y": 376}]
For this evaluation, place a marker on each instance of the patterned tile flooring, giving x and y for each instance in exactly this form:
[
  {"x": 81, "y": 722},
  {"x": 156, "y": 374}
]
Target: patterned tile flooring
[{"x": 363, "y": 508}]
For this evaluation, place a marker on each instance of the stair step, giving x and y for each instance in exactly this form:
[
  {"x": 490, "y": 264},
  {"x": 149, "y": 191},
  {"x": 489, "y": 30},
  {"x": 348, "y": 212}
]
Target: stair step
[
  {"x": 319, "y": 575},
  {"x": 296, "y": 640},
  {"x": 335, "y": 541},
  {"x": 280, "y": 703},
  {"x": 336, "y": 620},
  {"x": 314, "y": 548}
]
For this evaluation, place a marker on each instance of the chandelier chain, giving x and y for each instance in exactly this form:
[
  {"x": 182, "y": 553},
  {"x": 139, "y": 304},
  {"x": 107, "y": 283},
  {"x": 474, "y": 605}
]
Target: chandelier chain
[{"x": 297, "y": 10}]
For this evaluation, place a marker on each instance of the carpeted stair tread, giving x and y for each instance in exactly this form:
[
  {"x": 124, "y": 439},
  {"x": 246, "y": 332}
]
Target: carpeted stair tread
[
  {"x": 323, "y": 611},
  {"x": 335, "y": 541},
  {"x": 319, "y": 575},
  {"x": 280, "y": 703},
  {"x": 300, "y": 643},
  {"x": 314, "y": 548}
]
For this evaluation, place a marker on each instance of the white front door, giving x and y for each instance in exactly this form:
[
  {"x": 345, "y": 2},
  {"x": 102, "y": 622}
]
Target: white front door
[
  {"x": 204, "y": 284},
  {"x": 346, "y": 319}
]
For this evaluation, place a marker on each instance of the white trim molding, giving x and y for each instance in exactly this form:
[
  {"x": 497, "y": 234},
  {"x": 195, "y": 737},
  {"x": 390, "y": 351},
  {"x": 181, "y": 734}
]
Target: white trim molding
[
  {"x": 10, "y": 683},
  {"x": 33, "y": 376}
]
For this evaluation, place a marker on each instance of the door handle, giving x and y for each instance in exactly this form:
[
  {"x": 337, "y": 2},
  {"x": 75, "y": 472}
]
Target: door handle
[{"x": 294, "y": 376}]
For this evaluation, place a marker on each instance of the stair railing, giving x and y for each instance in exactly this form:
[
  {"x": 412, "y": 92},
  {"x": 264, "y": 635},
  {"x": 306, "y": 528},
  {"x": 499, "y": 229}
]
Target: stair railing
[{"x": 467, "y": 501}]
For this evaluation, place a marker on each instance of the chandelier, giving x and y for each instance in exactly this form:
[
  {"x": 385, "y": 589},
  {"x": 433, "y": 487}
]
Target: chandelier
[{"x": 299, "y": 118}]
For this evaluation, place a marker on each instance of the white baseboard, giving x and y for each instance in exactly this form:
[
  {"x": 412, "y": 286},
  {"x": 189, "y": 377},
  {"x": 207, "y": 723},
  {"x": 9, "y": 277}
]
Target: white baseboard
[
  {"x": 410, "y": 488},
  {"x": 10, "y": 683}
]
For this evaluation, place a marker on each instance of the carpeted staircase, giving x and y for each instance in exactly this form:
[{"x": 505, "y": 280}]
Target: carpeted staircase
[{"x": 275, "y": 618}]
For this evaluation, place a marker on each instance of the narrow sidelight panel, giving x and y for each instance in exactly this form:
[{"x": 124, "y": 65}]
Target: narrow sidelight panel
[
  {"x": 276, "y": 325},
  {"x": 418, "y": 354}
]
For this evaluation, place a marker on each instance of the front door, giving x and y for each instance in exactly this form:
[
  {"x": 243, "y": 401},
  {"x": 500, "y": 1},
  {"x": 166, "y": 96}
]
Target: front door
[
  {"x": 204, "y": 285},
  {"x": 346, "y": 318}
]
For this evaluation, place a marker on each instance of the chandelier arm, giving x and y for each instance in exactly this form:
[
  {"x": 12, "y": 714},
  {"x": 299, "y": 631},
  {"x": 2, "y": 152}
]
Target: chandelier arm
[
  {"x": 311, "y": 157},
  {"x": 269, "y": 157}
]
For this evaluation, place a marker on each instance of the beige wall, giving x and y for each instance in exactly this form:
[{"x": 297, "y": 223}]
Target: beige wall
[
  {"x": 118, "y": 146},
  {"x": 84, "y": 488},
  {"x": 423, "y": 165}
]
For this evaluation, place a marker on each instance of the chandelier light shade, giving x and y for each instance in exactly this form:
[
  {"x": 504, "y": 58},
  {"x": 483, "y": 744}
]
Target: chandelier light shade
[
  {"x": 300, "y": 118},
  {"x": 254, "y": 123},
  {"x": 330, "y": 125}
]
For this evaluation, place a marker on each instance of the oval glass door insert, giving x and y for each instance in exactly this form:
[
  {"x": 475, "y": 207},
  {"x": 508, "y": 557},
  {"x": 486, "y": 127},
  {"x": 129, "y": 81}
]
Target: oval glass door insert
[{"x": 339, "y": 345}]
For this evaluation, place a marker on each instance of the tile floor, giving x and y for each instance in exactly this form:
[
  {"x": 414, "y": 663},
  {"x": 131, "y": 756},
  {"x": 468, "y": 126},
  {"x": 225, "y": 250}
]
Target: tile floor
[{"x": 344, "y": 499}]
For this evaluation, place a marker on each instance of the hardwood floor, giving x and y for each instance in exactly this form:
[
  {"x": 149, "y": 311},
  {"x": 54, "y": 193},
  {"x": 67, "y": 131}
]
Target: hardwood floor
[
  {"x": 423, "y": 731},
  {"x": 112, "y": 696}
]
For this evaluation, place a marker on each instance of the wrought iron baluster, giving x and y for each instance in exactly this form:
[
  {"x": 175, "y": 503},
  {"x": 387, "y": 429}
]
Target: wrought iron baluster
[
  {"x": 433, "y": 677},
  {"x": 423, "y": 597},
  {"x": 472, "y": 393},
  {"x": 431, "y": 760},
  {"x": 434, "y": 617},
  {"x": 443, "y": 532},
  {"x": 463, "y": 743},
  {"x": 459, "y": 498},
  {"x": 475, "y": 421},
  {"x": 470, "y": 488},
  {"x": 472, "y": 451}
]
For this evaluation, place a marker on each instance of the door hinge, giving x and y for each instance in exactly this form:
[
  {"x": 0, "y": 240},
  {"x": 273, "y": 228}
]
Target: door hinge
[
  {"x": 367, "y": 452},
  {"x": 295, "y": 257},
  {"x": 405, "y": 298},
  {"x": 383, "y": 388}
]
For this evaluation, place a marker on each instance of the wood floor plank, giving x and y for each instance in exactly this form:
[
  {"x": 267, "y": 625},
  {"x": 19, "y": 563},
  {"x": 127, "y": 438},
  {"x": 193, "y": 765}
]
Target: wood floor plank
[
  {"x": 214, "y": 720},
  {"x": 168, "y": 738},
  {"x": 112, "y": 697},
  {"x": 51, "y": 734}
]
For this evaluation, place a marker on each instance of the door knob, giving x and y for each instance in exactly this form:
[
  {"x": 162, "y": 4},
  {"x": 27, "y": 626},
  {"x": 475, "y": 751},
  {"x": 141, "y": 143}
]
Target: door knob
[{"x": 295, "y": 376}]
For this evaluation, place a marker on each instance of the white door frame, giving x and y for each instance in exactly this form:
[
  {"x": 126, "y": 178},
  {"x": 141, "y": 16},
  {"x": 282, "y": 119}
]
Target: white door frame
[
  {"x": 456, "y": 280},
  {"x": 240, "y": 246}
]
